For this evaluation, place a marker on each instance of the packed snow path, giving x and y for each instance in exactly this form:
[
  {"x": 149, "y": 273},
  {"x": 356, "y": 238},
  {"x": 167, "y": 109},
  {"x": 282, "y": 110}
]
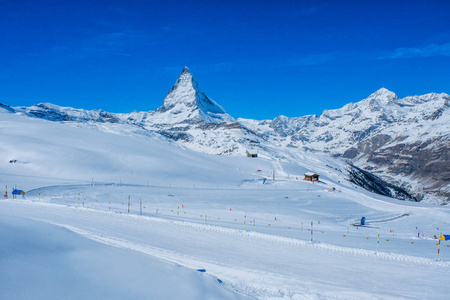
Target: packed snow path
[{"x": 255, "y": 264}]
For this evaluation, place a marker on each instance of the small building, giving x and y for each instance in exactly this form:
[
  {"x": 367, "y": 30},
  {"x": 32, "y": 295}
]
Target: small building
[
  {"x": 251, "y": 154},
  {"x": 311, "y": 177}
]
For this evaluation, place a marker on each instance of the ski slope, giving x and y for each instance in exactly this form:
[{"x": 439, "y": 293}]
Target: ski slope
[{"x": 110, "y": 213}]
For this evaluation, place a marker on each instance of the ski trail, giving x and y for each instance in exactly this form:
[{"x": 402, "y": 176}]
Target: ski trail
[
  {"x": 261, "y": 284},
  {"x": 270, "y": 239},
  {"x": 248, "y": 282}
]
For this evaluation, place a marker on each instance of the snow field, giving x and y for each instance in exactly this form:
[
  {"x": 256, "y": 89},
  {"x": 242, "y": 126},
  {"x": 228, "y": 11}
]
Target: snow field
[
  {"x": 286, "y": 213},
  {"x": 254, "y": 263}
]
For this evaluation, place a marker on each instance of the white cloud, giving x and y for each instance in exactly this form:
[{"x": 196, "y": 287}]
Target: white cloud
[{"x": 426, "y": 51}]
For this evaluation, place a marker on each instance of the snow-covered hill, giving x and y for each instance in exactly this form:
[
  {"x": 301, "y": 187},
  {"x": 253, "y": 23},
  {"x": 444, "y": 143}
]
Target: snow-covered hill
[{"x": 403, "y": 141}]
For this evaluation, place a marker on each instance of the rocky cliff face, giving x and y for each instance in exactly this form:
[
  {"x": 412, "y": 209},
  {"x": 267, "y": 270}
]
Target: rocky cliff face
[{"x": 375, "y": 184}]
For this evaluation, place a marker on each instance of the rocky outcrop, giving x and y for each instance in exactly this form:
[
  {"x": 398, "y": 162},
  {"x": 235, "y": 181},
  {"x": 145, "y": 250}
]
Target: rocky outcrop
[{"x": 376, "y": 185}]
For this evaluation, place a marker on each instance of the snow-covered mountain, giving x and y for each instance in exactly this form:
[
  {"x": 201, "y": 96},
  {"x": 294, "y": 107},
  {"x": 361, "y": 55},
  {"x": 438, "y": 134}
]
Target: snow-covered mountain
[
  {"x": 403, "y": 141},
  {"x": 53, "y": 112},
  {"x": 186, "y": 104},
  {"x": 187, "y": 117},
  {"x": 193, "y": 120}
]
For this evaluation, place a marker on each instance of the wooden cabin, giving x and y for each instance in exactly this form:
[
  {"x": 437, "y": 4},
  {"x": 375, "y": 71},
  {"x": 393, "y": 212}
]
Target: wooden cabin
[
  {"x": 311, "y": 177},
  {"x": 251, "y": 154}
]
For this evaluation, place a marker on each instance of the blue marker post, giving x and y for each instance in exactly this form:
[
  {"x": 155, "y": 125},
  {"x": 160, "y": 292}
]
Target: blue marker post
[{"x": 363, "y": 221}]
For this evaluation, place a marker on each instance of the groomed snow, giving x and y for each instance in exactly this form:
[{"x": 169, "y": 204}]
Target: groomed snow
[{"x": 44, "y": 261}]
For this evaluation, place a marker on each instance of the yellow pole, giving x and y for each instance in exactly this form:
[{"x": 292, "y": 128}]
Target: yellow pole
[{"x": 439, "y": 247}]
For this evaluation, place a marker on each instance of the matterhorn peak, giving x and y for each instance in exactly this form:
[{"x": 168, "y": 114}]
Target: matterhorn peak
[
  {"x": 185, "y": 70},
  {"x": 186, "y": 103},
  {"x": 185, "y": 82}
]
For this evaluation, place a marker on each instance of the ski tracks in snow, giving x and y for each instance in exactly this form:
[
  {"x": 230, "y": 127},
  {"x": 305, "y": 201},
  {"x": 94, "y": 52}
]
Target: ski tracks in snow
[
  {"x": 260, "y": 283},
  {"x": 274, "y": 239},
  {"x": 229, "y": 277}
]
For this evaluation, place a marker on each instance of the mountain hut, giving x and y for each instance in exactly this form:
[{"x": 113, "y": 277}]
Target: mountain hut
[
  {"x": 251, "y": 154},
  {"x": 311, "y": 177}
]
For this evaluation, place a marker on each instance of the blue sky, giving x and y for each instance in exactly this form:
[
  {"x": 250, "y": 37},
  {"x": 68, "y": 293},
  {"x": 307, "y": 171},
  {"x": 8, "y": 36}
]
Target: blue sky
[{"x": 258, "y": 59}]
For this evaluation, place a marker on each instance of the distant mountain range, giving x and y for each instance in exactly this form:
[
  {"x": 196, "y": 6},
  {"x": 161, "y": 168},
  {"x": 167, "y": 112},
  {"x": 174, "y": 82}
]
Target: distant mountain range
[{"x": 404, "y": 142}]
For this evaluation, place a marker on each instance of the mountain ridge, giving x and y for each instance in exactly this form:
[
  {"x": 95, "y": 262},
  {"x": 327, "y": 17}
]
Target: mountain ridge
[{"x": 400, "y": 140}]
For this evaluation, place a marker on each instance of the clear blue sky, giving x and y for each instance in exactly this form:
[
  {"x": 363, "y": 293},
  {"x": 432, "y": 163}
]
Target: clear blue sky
[{"x": 258, "y": 59}]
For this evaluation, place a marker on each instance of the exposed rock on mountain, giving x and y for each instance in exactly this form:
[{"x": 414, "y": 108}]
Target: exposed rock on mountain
[
  {"x": 375, "y": 184},
  {"x": 193, "y": 120},
  {"x": 405, "y": 141},
  {"x": 185, "y": 103},
  {"x": 53, "y": 112}
]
